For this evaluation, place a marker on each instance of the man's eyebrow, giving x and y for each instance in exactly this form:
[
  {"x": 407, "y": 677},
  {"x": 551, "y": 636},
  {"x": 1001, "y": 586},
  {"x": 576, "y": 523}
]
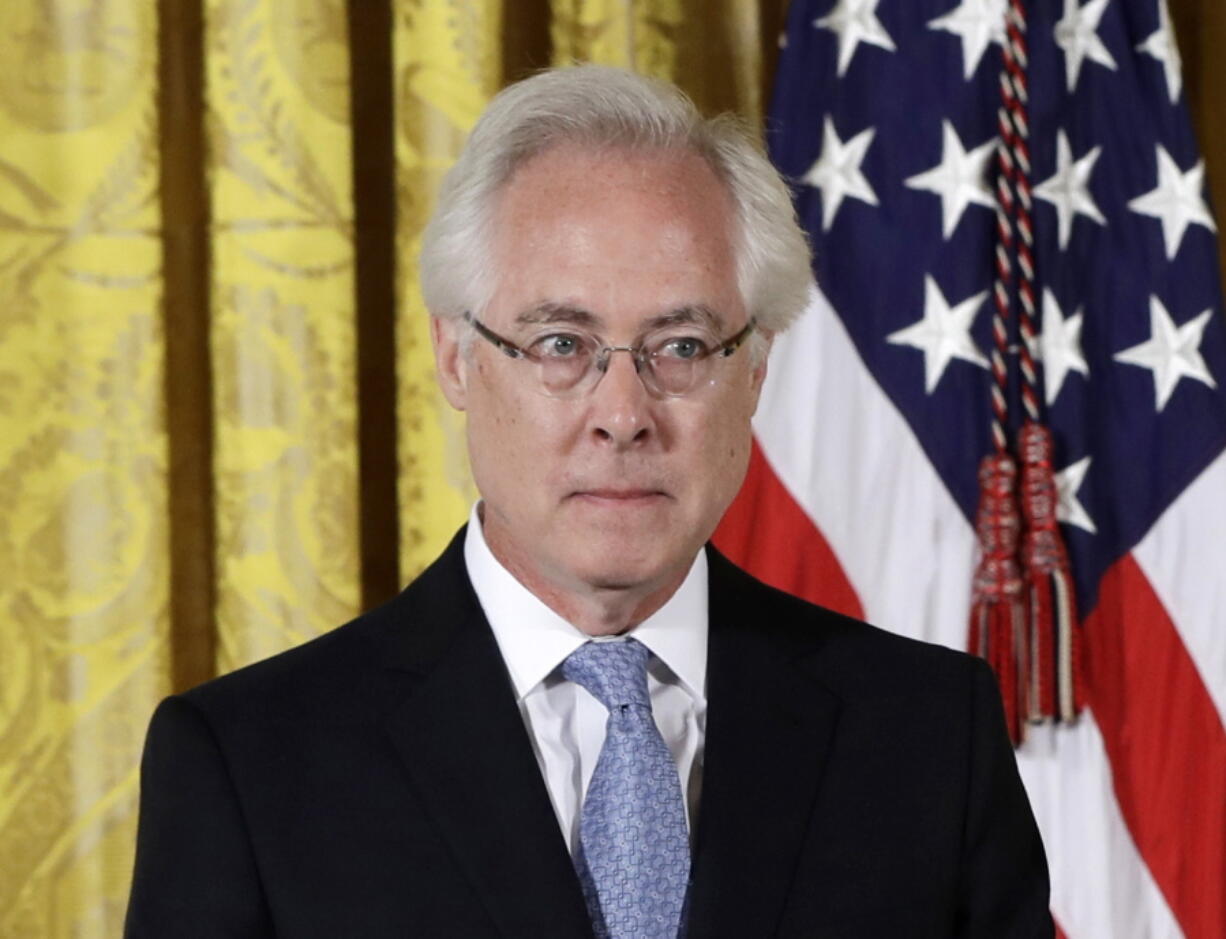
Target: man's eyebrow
[
  {"x": 552, "y": 312},
  {"x": 697, "y": 313},
  {"x": 549, "y": 311}
]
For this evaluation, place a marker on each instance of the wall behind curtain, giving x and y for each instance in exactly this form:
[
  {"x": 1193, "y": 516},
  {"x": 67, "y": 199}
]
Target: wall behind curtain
[{"x": 219, "y": 432}]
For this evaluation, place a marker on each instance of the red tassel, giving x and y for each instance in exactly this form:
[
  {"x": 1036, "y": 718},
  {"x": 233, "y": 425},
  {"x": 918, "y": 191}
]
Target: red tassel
[
  {"x": 997, "y": 614},
  {"x": 1055, "y": 688},
  {"x": 1041, "y": 698}
]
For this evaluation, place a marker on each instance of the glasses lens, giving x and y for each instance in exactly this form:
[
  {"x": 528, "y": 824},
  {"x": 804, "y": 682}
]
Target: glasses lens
[
  {"x": 676, "y": 362},
  {"x": 674, "y": 376},
  {"x": 563, "y": 360}
]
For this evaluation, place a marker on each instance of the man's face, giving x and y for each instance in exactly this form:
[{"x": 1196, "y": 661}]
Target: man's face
[{"x": 617, "y": 488}]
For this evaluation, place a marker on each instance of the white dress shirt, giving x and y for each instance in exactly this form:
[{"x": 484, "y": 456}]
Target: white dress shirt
[{"x": 565, "y": 723}]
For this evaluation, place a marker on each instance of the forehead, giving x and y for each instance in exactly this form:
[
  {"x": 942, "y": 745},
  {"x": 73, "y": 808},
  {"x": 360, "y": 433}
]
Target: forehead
[{"x": 621, "y": 234}]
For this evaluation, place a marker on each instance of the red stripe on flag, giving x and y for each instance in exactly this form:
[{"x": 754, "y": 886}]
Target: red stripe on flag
[
  {"x": 1166, "y": 744},
  {"x": 769, "y": 535},
  {"x": 1060, "y": 933}
]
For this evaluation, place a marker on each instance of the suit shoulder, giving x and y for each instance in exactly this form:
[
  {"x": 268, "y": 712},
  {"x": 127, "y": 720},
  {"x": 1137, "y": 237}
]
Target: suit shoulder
[
  {"x": 339, "y": 671},
  {"x": 852, "y": 652},
  {"x": 318, "y": 673},
  {"x": 341, "y": 675}
]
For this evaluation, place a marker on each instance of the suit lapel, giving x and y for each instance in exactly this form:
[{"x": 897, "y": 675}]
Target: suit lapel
[
  {"x": 769, "y": 732},
  {"x": 460, "y": 736}
]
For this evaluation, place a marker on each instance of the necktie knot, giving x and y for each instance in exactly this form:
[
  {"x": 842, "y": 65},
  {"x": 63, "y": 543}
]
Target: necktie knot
[{"x": 614, "y": 673}]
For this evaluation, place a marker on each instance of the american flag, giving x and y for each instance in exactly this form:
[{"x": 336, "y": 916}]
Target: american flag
[{"x": 862, "y": 491}]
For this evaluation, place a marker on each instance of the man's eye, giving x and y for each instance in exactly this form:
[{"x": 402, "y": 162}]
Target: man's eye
[
  {"x": 682, "y": 347},
  {"x": 559, "y": 346}
]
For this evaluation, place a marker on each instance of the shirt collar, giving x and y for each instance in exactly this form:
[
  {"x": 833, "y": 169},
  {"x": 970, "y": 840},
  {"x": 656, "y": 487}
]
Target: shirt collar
[{"x": 534, "y": 639}]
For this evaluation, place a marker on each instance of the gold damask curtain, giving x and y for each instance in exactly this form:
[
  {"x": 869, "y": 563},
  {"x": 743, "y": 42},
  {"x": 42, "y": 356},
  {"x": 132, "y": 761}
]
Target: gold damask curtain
[{"x": 219, "y": 432}]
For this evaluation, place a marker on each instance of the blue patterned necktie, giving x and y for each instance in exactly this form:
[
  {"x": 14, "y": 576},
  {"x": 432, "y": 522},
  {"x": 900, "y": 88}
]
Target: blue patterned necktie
[{"x": 634, "y": 851}]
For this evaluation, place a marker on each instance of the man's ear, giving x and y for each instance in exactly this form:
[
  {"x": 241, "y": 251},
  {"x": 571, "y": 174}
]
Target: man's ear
[{"x": 449, "y": 363}]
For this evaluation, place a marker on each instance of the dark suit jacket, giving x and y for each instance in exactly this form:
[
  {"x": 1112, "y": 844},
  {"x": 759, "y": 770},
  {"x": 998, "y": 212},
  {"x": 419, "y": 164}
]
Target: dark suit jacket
[{"x": 379, "y": 781}]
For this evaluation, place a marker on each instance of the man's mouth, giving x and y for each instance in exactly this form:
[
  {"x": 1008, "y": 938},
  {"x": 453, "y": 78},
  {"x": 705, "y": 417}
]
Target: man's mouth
[{"x": 620, "y": 496}]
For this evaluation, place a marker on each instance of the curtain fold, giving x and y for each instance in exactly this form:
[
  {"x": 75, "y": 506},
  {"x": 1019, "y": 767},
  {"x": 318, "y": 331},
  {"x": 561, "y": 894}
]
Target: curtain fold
[
  {"x": 447, "y": 65},
  {"x": 83, "y": 501},
  {"x": 181, "y": 332},
  {"x": 282, "y": 326},
  {"x": 711, "y": 48}
]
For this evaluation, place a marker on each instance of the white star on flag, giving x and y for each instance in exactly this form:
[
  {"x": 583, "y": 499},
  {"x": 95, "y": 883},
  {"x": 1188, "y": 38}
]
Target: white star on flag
[
  {"x": 1068, "y": 507},
  {"x": 1069, "y": 188},
  {"x": 943, "y": 333},
  {"x": 977, "y": 23},
  {"x": 1171, "y": 352},
  {"x": 1178, "y": 201},
  {"x": 1077, "y": 34},
  {"x": 1161, "y": 45},
  {"x": 959, "y": 179},
  {"x": 837, "y": 171},
  {"x": 1059, "y": 346},
  {"x": 855, "y": 21}
]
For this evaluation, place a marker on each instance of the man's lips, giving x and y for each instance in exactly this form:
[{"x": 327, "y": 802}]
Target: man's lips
[{"x": 620, "y": 495}]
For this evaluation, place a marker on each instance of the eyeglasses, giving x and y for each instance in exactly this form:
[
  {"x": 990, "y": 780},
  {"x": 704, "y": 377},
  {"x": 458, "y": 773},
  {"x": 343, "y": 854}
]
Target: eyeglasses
[{"x": 671, "y": 361}]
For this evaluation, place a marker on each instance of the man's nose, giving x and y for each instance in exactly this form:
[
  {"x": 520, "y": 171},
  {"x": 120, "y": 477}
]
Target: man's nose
[{"x": 622, "y": 412}]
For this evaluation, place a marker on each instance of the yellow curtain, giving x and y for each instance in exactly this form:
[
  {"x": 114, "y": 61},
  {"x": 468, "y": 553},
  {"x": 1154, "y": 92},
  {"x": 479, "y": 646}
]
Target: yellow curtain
[
  {"x": 180, "y": 347},
  {"x": 282, "y": 330},
  {"x": 711, "y": 48},
  {"x": 448, "y": 64},
  {"x": 83, "y": 503}
]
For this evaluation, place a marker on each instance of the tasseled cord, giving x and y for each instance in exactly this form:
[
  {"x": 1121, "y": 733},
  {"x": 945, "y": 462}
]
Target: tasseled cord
[
  {"x": 998, "y": 616},
  {"x": 1055, "y": 689},
  {"x": 1024, "y": 617}
]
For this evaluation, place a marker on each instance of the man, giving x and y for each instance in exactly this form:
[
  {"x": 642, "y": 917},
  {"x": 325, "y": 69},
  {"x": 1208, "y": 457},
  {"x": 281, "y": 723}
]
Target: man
[{"x": 579, "y": 720}]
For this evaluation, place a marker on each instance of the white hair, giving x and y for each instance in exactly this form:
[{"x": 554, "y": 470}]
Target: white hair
[{"x": 609, "y": 108}]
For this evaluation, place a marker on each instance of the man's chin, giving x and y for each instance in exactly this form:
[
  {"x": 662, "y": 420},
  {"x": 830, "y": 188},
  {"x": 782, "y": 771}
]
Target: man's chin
[
  {"x": 629, "y": 550},
  {"x": 627, "y": 522}
]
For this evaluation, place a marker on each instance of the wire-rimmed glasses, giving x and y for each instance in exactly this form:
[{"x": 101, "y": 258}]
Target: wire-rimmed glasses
[{"x": 671, "y": 361}]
